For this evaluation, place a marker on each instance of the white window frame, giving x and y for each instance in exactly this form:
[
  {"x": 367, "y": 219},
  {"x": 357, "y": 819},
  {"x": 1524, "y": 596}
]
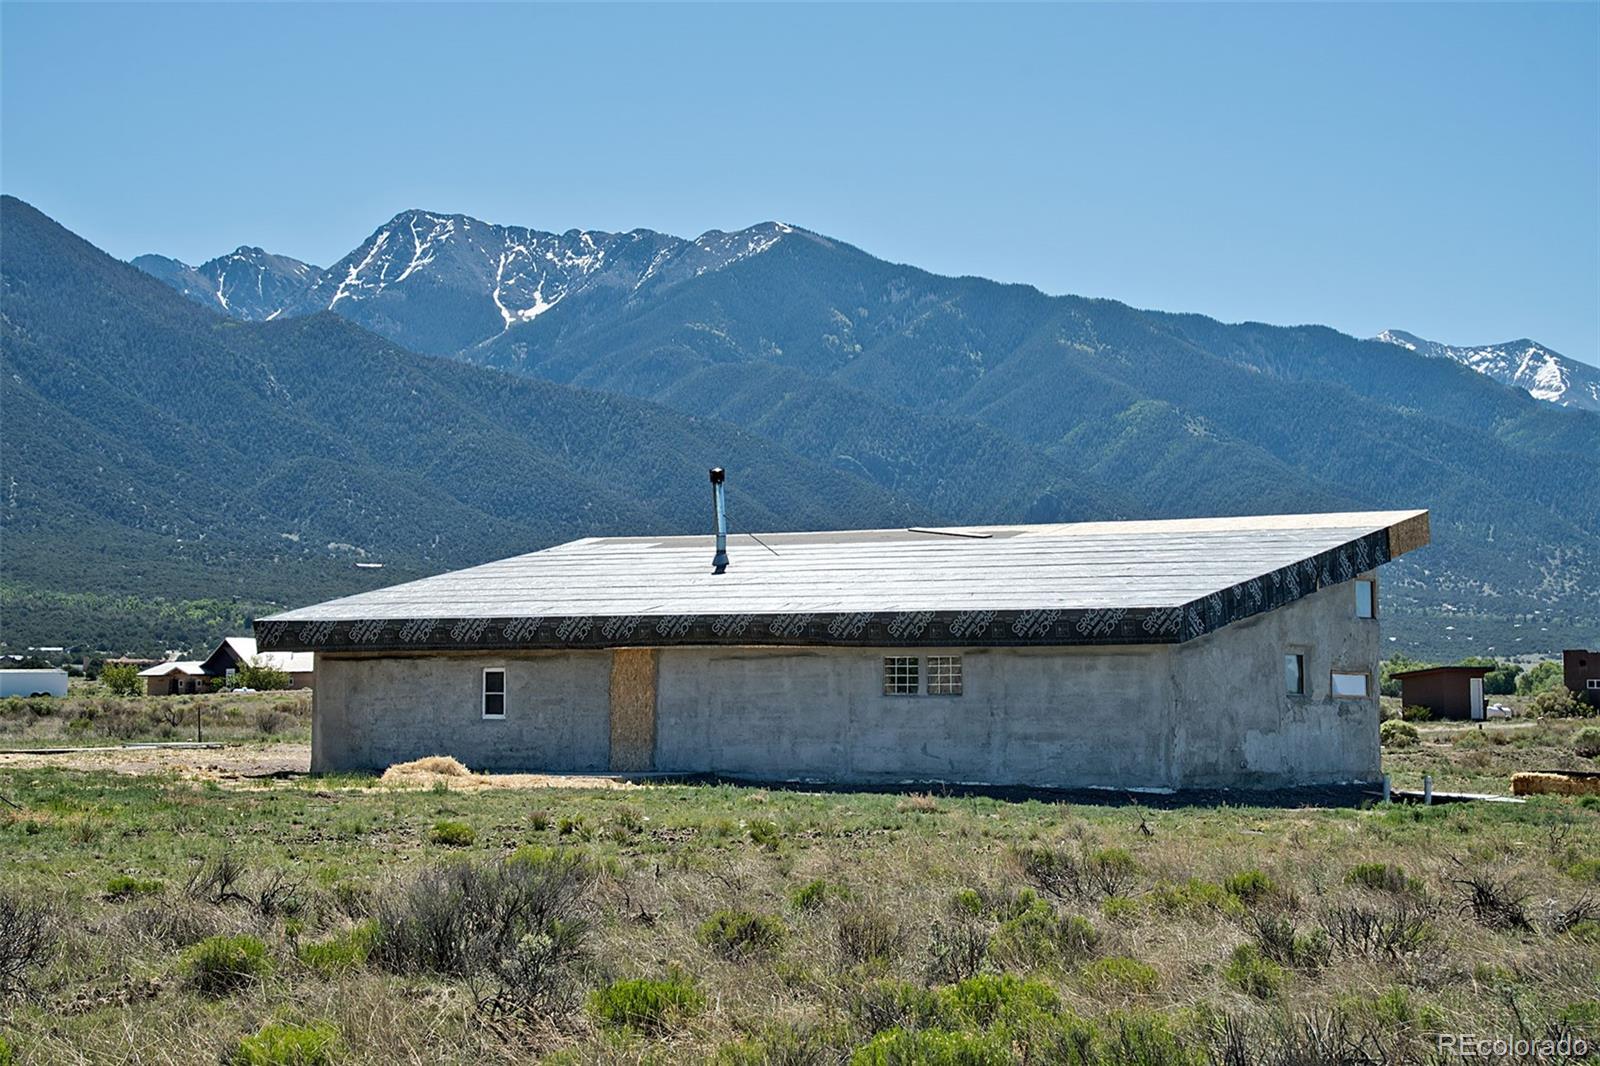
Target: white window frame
[
  {"x": 894, "y": 667},
  {"x": 484, "y": 694},
  {"x": 945, "y": 675},
  {"x": 1372, "y": 591},
  {"x": 1366, "y": 685},
  {"x": 1593, "y": 684},
  {"x": 1300, "y": 658}
]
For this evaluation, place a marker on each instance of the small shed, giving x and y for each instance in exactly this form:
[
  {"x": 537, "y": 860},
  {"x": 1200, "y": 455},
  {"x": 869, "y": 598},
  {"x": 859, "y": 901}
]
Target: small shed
[{"x": 1446, "y": 691}]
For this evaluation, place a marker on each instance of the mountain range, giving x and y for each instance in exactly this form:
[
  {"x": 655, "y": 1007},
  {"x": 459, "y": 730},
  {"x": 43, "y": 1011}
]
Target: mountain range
[
  {"x": 453, "y": 391},
  {"x": 1523, "y": 364}
]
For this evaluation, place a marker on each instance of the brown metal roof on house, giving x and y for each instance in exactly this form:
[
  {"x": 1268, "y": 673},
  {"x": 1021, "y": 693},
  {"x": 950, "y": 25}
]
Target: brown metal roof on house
[
  {"x": 1464, "y": 671},
  {"x": 1079, "y": 583}
]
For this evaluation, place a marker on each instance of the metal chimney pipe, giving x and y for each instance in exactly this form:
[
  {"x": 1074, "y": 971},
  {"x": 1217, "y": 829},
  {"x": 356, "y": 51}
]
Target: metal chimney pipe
[{"x": 719, "y": 562}]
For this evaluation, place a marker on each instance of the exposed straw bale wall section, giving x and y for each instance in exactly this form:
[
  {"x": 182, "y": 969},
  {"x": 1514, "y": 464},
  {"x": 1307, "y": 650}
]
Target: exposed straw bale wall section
[
  {"x": 1408, "y": 535},
  {"x": 633, "y": 709}
]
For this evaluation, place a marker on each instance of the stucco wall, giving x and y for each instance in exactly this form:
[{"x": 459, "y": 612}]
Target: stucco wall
[
  {"x": 1209, "y": 713},
  {"x": 1235, "y": 725},
  {"x": 373, "y": 712},
  {"x": 1026, "y": 716}
]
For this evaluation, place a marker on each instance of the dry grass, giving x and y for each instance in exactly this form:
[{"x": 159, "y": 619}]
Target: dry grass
[
  {"x": 1537, "y": 784},
  {"x": 1235, "y": 931}
]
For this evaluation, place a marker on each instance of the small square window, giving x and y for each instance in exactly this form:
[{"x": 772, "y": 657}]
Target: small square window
[
  {"x": 944, "y": 675},
  {"x": 1350, "y": 686},
  {"x": 494, "y": 693},
  {"x": 1366, "y": 599},
  {"x": 900, "y": 675},
  {"x": 1294, "y": 675}
]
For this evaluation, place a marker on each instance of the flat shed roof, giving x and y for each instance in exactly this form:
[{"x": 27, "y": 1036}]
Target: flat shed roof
[
  {"x": 1458, "y": 671},
  {"x": 1079, "y": 583}
]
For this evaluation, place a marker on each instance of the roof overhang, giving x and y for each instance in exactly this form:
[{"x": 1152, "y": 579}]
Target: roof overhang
[{"x": 423, "y": 616}]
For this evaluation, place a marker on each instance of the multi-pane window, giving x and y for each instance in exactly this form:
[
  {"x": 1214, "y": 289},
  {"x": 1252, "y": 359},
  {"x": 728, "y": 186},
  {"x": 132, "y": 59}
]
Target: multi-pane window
[
  {"x": 1594, "y": 684},
  {"x": 1294, "y": 675},
  {"x": 900, "y": 675},
  {"x": 944, "y": 675},
  {"x": 1350, "y": 686},
  {"x": 494, "y": 693},
  {"x": 1366, "y": 599}
]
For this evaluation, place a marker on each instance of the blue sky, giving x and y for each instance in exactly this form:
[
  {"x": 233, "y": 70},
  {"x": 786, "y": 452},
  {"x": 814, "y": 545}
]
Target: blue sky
[{"x": 1427, "y": 167}]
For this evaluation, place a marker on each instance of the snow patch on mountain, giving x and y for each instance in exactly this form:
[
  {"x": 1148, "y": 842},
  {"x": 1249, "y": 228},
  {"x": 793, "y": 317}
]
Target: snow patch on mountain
[
  {"x": 247, "y": 283},
  {"x": 1542, "y": 372}
]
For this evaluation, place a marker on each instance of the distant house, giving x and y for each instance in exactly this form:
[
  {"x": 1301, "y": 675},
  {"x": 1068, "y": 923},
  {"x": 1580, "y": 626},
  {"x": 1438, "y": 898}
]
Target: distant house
[
  {"x": 181, "y": 677},
  {"x": 1218, "y": 652},
  {"x": 1446, "y": 691},
  {"x": 174, "y": 678},
  {"x": 1581, "y": 672},
  {"x": 235, "y": 652}
]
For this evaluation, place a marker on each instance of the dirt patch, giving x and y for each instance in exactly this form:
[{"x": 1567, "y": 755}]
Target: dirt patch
[
  {"x": 236, "y": 762},
  {"x": 258, "y": 766}
]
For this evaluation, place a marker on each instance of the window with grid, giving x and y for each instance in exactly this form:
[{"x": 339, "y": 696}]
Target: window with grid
[
  {"x": 494, "y": 693},
  {"x": 900, "y": 675},
  {"x": 944, "y": 675}
]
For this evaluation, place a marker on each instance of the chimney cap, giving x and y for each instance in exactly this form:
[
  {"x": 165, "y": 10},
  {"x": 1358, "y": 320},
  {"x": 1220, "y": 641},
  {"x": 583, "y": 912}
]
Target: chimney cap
[{"x": 716, "y": 475}]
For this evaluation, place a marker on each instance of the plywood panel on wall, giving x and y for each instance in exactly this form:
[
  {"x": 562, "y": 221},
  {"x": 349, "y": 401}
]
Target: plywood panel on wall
[{"x": 633, "y": 709}]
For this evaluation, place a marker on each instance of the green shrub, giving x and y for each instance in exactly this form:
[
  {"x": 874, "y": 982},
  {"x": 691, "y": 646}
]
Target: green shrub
[
  {"x": 868, "y": 935},
  {"x": 1251, "y": 974},
  {"x": 1541, "y": 677},
  {"x": 219, "y": 965},
  {"x": 1415, "y": 712},
  {"x": 649, "y": 1005},
  {"x": 7, "y": 1056},
  {"x": 1586, "y": 742},
  {"x": 1250, "y": 885},
  {"x": 1383, "y": 876},
  {"x": 986, "y": 1000},
  {"x": 1119, "y": 909},
  {"x": 1559, "y": 702},
  {"x": 813, "y": 894},
  {"x": 260, "y": 678},
  {"x": 1395, "y": 1011},
  {"x": 1122, "y": 974},
  {"x": 1397, "y": 735},
  {"x": 452, "y": 834},
  {"x": 932, "y": 1047},
  {"x": 1194, "y": 898},
  {"x": 340, "y": 953},
  {"x": 766, "y": 834},
  {"x": 1040, "y": 937},
  {"x": 281, "y": 1044},
  {"x": 737, "y": 934},
  {"x": 121, "y": 680},
  {"x": 471, "y": 918},
  {"x": 788, "y": 1045},
  {"x": 124, "y": 887}
]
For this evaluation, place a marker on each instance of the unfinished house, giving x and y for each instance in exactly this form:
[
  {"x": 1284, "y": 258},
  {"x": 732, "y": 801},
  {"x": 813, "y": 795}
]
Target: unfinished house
[{"x": 1218, "y": 652}]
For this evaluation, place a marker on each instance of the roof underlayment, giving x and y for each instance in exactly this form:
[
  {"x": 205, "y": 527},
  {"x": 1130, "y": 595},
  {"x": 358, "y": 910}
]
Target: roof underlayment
[{"x": 1080, "y": 583}]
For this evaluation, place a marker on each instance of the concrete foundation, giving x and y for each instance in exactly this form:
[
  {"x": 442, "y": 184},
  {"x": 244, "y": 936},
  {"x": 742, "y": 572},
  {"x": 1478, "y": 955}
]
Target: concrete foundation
[{"x": 1209, "y": 713}]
